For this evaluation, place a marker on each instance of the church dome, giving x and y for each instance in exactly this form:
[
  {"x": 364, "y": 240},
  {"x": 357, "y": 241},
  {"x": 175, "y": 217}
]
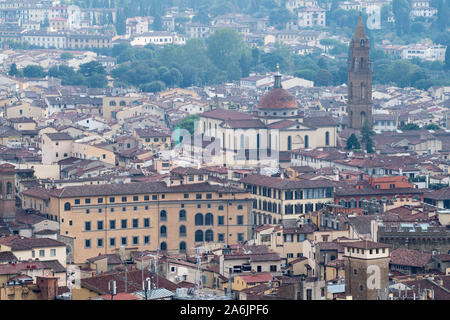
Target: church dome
[{"x": 277, "y": 98}]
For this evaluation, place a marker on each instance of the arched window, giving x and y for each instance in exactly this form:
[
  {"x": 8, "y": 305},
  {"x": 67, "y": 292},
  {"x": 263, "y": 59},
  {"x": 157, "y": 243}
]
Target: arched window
[
  {"x": 9, "y": 190},
  {"x": 327, "y": 138},
  {"x": 163, "y": 231},
  {"x": 112, "y": 103},
  {"x": 289, "y": 142},
  {"x": 163, "y": 246},
  {"x": 182, "y": 215},
  {"x": 198, "y": 236},
  {"x": 182, "y": 231},
  {"x": 122, "y": 103},
  {"x": 306, "y": 141},
  {"x": 242, "y": 141},
  {"x": 163, "y": 215},
  {"x": 67, "y": 206},
  {"x": 198, "y": 219},
  {"x": 182, "y": 247},
  {"x": 209, "y": 235},
  {"x": 209, "y": 219}
]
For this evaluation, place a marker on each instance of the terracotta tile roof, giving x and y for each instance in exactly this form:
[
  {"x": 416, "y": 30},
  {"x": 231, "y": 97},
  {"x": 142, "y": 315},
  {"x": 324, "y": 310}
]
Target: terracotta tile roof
[
  {"x": 99, "y": 283},
  {"x": 279, "y": 183},
  {"x": 224, "y": 114},
  {"x": 22, "y": 243},
  {"x": 278, "y": 98},
  {"x": 441, "y": 194},
  {"x": 257, "y": 278},
  {"x": 412, "y": 258},
  {"x": 7, "y": 256},
  {"x": 366, "y": 245}
]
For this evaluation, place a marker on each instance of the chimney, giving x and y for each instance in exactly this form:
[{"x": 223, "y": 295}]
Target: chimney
[{"x": 48, "y": 287}]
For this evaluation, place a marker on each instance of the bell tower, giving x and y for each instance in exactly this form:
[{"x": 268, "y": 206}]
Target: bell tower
[
  {"x": 7, "y": 193},
  {"x": 359, "y": 82}
]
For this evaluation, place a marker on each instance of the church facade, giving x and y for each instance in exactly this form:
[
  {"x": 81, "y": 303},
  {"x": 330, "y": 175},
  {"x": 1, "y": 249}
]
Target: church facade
[{"x": 273, "y": 130}]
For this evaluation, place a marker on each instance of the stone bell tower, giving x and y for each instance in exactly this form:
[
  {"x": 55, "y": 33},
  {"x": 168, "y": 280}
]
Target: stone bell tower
[
  {"x": 359, "y": 82},
  {"x": 7, "y": 192}
]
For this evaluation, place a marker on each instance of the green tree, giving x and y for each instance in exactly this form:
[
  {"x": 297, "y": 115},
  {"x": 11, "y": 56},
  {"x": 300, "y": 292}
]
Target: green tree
[
  {"x": 91, "y": 68},
  {"x": 224, "y": 47},
  {"x": 154, "y": 86},
  {"x": 188, "y": 123},
  {"x": 33, "y": 71},
  {"x": 13, "y": 71},
  {"x": 66, "y": 56},
  {"x": 353, "y": 143},
  {"x": 432, "y": 126},
  {"x": 447, "y": 59},
  {"x": 157, "y": 23},
  {"x": 410, "y": 126},
  {"x": 366, "y": 137}
]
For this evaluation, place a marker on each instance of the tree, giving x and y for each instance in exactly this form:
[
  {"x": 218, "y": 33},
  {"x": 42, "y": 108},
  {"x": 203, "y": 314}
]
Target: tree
[
  {"x": 353, "y": 143},
  {"x": 33, "y": 71},
  {"x": 401, "y": 9},
  {"x": 432, "y": 126},
  {"x": 366, "y": 137},
  {"x": 224, "y": 47},
  {"x": 279, "y": 17},
  {"x": 154, "y": 86},
  {"x": 447, "y": 59},
  {"x": 410, "y": 126},
  {"x": 66, "y": 56},
  {"x": 91, "y": 68},
  {"x": 323, "y": 78},
  {"x": 13, "y": 71},
  {"x": 188, "y": 123},
  {"x": 157, "y": 23}
]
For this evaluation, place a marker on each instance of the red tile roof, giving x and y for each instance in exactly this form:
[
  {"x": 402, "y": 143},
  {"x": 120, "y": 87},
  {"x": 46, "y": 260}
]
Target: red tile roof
[{"x": 411, "y": 258}]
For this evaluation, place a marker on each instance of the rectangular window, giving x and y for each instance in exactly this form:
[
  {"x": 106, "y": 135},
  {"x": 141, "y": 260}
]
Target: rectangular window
[
  {"x": 146, "y": 198},
  {"x": 135, "y": 223},
  {"x": 198, "y": 196},
  {"x": 99, "y": 243},
  {"x": 112, "y": 199},
  {"x": 208, "y": 196},
  {"x": 240, "y": 237},
  {"x": 112, "y": 242},
  {"x": 135, "y": 240},
  {"x": 77, "y": 201},
  {"x": 87, "y": 201},
  {"x": 99, "y": 225},
  {"x": 124, "y": 199},
  {"x": 99, "y": 200},
  {"x": 135, "y": 198},
  {"x": 221, "y": 220},
  {"x": 154, "y": 197},
  {"x": 52, "y": 252},
  {"x": 87, "y": 226},
  {"x": 186, "y": 195},
  {"x": 123, "y": 223},
  {"x": 87, "y": 243},
  {"x": 123, "y": 241},
  {"x": 146, "y": 222},
  {"x": 221, "y": 237},
  {"x": 146, "y": 239},
  {"x": 240, "y": 220}
]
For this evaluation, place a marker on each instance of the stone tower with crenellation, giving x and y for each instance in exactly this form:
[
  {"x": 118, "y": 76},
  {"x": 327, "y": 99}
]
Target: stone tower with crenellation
[{"x": 359, "y": 80}]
